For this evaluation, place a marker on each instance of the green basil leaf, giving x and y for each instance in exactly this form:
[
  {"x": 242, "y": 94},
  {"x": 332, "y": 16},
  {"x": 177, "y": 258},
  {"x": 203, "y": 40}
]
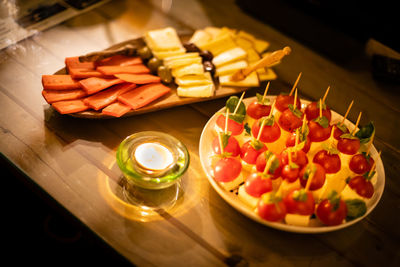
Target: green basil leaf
[
  {"x": 247, "y": 128},
  {"x": 330, "y": 149},
  {"x": 334, "y": 199},
  {"x": 262, "y": 101},
  {"x": 300, "y": 195},
  {"x": 293, "y": 165},
  {"x": 269, "y": 121},
  {"x": 295, "y": 111},
  {"x": 225, "y": 139},
  {"x": 348, "y": 136},
  {"x": 355, "y": 208},
  {"x": 366, "y": 132},
  {"x": 323, "y": 105},
  {"x": 257, "y": 144},
  {"x": 274, "y": 165},
  {"x": 369, "y": 177},
  {"x": 323, "y": 121},
  {"x": 239, "y": 118},
  {"x": 342, "y": 127},
  {"x": 231, "y": 104}
]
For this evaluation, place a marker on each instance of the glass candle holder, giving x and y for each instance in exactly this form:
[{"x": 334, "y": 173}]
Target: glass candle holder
[{"x": 152, "y": 160}]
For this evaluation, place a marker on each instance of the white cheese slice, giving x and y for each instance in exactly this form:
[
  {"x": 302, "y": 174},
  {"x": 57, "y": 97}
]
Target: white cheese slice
[
  {"x": 206, "y": 90},
  {"x": 170, "y": 53},
  {"x": 249, "y": 81},
  {"x": 228, "y": 56},
  {"x": 231, "y": 67},
  {"x": 163, "y": 39},
  {"x": 260, "y": 45},
  {"x": 186, "y": 55},
  {"x": 191, "y": 80},
  {"x": 200, "y": 38},
  {"x": 177, "y": 63}
]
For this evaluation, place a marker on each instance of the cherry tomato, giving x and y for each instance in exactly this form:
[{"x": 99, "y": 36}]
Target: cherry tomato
[
  {"x": 348, "y": 146},
  {"x": 298, "y": 201},
  {"x": 290, "y": 174},
  {"x": 282, "y": 102},
  {"x": 227, "y": 169},
  {"x": 249, "y": 154},
  {"x": 329, "y": 214},
  {"x": 312, "y": 112},
  {"x": 330, "y": 162},
  {"x": 234, "y": 127},
  {"x": 261, "y": 162},
  {"x": 298, "y": 157},
  {"x": 317, "y": 133},
  {"x": 318, "y": 179},
  {"x": 288, "y": 121},
  {"x": 337, "y": 133},
  {"x": 256, "y": 185},
  {"x": 360, "y": 164},
  {"x": 271, "y": 210},
  {"x": 257, "y": 110},
  {"x": 362, "y": 186},
  {"x": 232, "y": 146},
  {"x": 291, "y": 141},
  {"x": 269, "y": 133}
]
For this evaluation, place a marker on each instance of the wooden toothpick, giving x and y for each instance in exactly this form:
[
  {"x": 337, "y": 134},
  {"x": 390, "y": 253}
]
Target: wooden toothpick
[
  {"x": 347, "y": 112},
  {"x": 265, "y": 92},
  {"x": 374, "y": 164},
  {"x": 238, "y": 104},
  {"x": 356, "y": 126},
  {"x": 326, "y": 94},
  {"x": 295, "y": 99},
  {"x": 309, "y": 180},
  {"x": 320, "y": 108},
  {"x": 295, "y": 84}
]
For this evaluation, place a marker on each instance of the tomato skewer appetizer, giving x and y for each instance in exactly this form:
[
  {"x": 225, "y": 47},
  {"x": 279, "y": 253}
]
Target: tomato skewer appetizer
[
  {"x": 362, "y": 163},
  {"x": 259, "y": 108},
  {"x": 332, "y": 210},
  {"x": 274, "y": 169},
  {"x": 302, "y": 134},
  {"x": 312, "y": 110},
  {"x": 341, "y": 128},
  {"x": 229, "y": 143},
  {"x": 271, "y": 207},
  {"x": 283, "y": 101},
  {"x": 235, "y": 123},
  {"x": 291, "y": 118}
]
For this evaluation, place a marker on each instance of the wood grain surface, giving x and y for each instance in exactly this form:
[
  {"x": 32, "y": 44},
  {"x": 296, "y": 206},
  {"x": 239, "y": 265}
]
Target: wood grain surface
[{"x": 73, "y": 160}]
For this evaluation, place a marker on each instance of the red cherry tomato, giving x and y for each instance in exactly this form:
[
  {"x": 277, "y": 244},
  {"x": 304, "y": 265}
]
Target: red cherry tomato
[
  {"x": 330, "y": 162},
  {"x": 272, "y": 211},
  {"x": 291, "y": 141},
  {"x": 269, "y": 133},
  {"x": 282, "y": 102},
  {"x": 227, "y": 169},
  {"x": 261, "y": 162},
  {"x": 256, "y": 110},
  {"x": 360, "y": 164},
  {"x": 288, "y": 121},
  {"x": 256, "y": 185},
  {"x": 317, "y": 133},
  {"x": 290, "y": 174},
  {"x": 329, "y": 215},
  {"x": 337, "y": 133},
  {"x": 312, "y": 112},
  {"x": 348, "y": 146},
  {"x": 232, "y": 146},
  {"x": 318, "y": 179},
  {"x": 298, "y": 201},
  {"x": 249, "y": 154},
  {"x": 299, "y": 157},
  {"x": 362, "y": 186},
  {"x": 234, "y": 127}
]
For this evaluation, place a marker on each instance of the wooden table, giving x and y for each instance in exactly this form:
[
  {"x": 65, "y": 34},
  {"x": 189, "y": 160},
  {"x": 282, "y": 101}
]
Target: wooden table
[{"x": 71, "y": 158}]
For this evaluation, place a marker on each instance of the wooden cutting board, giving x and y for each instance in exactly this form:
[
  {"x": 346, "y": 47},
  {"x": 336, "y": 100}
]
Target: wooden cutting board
[{"x": 167, "y": 101}]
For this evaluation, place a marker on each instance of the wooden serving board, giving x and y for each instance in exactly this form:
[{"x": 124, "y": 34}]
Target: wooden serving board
[{"x": 167, "y": 101}]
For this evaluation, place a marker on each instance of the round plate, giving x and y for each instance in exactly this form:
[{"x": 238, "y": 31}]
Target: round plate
[{"x": 205, "y": 151}]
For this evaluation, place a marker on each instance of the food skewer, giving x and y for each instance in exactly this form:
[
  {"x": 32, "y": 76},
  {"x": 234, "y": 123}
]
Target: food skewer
[
  {"x": 326, "y": 94},
  {"x": 356, "y": 126},
  {"x": 266, "y": 61},
  {"x": 265, "y": 92},
  {"x": 295, "y": 84},
  {"x": 347, "y": 112}
]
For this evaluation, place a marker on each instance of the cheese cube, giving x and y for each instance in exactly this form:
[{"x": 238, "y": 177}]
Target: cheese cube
[
  {"x": 231, "y": 67},
  {"x": 228, "y": 56},
  {"x": 196, "y": 91},
  {"x": 251, "y": 80},
  {"x": 298, "y": 220}
]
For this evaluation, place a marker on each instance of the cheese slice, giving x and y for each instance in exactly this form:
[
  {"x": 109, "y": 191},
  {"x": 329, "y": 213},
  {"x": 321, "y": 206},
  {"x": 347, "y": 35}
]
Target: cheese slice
[
  {"x": 170, "y": 53},
  {"x": 231, "y": 67},
  {"x": 260, "y": 45},
  {"x": 287, "y": 187},
  {"x": 252, "y": 55},
  {"x": 200, "y": 38},
  {"x": 192, "y": 69},
  {"x": 185, "y": 55},
  {"x": 173, "y": 64},
  {"x": 163, "y": 39},
  {"x": 196, "y": 91},
  {"x": 228, "y": 56},
  {"x": 246, "y": 198},
  {"x": 190, "y": 80},
  {"x": 268, "y": 75},
  {"x": 219, "y": 44},
  {"x": 251, "y": 80},
  {"x": 233, "y": 184}
]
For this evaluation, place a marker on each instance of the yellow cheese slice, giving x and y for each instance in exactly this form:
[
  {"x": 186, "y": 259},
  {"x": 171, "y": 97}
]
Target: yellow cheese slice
[
  {"x": 252, "y": 55},
  {"x": 196, "y": 91},
  {"x": 163, "y": 39},
  {"x": 192, "y": 69},
  {"x": 244, "y": 43},
  {"x": 190, "y": 80},
  {"x": 200, "y": 38},
  {"x": 249, "y": 81},
  {"x": 230, "y": 68},
  {"x": 233, "y": 184},
  {"x": 260, "y": 45},
  {"x": 170, "y": 53},
  {"x": 296, "y": 219},
  {"x": 246, "y": 198},
  {"x": 233, "y": 54},
  {"x": 213, "y": 31},
  {"x": 268, "y": 75},
  {"x": 173, "y": 64},
  {"x": 185, "y": 55},
  {"x": 219, "y": 44}
]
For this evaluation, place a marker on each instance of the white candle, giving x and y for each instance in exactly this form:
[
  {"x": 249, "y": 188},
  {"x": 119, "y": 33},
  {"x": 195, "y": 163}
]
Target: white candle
[{"x": 153, "y": 156}]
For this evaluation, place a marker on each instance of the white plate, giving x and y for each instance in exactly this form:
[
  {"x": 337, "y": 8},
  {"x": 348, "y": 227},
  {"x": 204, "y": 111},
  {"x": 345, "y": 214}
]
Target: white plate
[{"x": 205, "y": 151}]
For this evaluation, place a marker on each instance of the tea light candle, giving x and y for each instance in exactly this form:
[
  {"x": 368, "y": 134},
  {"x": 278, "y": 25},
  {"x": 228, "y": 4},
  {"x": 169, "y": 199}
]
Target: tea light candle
[{"x": 153, "y": 156}]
